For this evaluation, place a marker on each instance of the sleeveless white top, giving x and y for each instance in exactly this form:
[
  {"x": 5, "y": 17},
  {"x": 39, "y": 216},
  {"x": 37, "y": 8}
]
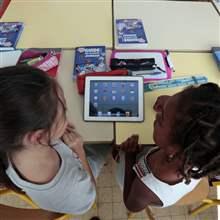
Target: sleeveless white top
[{"x": 168, "y": 194}]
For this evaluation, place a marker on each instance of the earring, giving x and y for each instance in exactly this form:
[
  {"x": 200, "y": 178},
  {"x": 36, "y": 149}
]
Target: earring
[{"x": 170, "y": 157}]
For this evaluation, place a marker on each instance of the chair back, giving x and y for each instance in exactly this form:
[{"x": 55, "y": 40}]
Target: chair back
[
  {"x": 199, "y": 193},
  {"x": 9, "y": 212}
]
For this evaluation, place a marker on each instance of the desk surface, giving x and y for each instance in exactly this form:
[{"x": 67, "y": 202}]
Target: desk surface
[
  {"x": 90, "y": 131},
  {"x": 62, "y": 24},
  {"x": 185, "y": 64},
  {"x": 174, "y": 25}
]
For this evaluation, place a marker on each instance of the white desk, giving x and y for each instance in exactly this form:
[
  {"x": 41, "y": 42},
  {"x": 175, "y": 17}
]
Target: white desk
[
  {"x": 174, "y": 25},
  {"x": 62, "y": 24},
  {"x": 90, "y": 131}
]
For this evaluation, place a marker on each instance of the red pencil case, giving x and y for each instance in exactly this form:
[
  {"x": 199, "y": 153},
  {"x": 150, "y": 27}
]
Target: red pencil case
[{"x": 80, "y": 80}]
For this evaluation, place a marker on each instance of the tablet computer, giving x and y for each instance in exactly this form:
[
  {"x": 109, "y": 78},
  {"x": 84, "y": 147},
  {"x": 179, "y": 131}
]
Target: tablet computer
[{"x": 114, "y": 98}]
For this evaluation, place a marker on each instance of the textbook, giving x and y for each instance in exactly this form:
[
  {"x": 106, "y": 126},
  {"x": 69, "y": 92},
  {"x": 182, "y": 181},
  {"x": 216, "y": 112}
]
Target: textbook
[
  {"x": 89, "y": 59},
  {"x": 130, "y": 34},
  {"x": 9, "y": 34}
]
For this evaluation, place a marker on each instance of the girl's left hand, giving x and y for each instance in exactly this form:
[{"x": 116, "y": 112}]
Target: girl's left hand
[{"x": 131, "y": 144}]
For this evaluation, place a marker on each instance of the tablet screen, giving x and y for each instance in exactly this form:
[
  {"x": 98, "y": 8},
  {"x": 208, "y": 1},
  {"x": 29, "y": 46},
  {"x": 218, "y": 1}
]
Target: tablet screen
[{"x": 114, "y": 99}]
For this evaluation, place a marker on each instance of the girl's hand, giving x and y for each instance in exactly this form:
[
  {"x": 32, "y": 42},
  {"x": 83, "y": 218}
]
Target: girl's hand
[
  {"x": 161, "y": 100},
  {"x": 73, "y": 140},
  {"x": 131, "y": 144}
]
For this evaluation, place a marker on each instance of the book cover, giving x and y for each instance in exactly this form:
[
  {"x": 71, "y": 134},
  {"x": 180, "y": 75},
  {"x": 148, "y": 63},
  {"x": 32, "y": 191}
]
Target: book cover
[
  {"x": 89, "y": 59},
  {"x": 216, "y": 55},
  {"x": 9, "y": 34},
  {"x": 130, "y": 33},
  {"x": 159, "y": 70}
]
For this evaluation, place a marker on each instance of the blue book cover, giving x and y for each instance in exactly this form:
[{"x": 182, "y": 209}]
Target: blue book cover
[
  {"x": 9, "y": 34},
  {"x": 130, "y": 31},
  {"x": 89, "y": 59},
  {"x": 216, "y": 54}
]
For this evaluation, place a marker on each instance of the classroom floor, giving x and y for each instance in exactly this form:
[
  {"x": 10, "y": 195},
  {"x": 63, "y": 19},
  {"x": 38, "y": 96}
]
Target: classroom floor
[{"x": 110, "y": 206}]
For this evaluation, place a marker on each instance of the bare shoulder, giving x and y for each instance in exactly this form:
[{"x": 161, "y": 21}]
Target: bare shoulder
[{"x": 38, "y": 171}]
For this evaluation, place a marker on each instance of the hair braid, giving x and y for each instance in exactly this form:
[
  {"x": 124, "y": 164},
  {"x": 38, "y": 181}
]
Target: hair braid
[{"x": 197, "y": 130}]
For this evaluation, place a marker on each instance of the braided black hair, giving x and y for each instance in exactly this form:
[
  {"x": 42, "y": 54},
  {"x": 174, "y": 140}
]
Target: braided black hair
[{"x": 197, "y": 130}]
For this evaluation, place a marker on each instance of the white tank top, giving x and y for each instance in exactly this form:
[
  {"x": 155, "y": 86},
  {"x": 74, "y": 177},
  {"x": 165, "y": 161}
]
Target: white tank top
[{"x": 168, "y": 194}]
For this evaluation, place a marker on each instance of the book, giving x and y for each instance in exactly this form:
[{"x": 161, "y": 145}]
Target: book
[
  {"x": 46, "y": 59},
  {"x": 9, "y": 58},
  {"x": 89, "y": 59},
  {"x": 9, "y": 34},
  {"x": 216, "y": 55},
  {"x": 151, "y": 64},
  {"x": 129, "y": 33}
]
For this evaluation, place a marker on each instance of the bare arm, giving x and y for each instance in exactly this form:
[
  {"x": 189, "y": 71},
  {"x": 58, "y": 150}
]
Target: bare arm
[{"x": 136, "y": 195}]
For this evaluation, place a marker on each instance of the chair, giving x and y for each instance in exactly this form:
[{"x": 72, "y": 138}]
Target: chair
[
  {"x": 25, "y": 214},
  {"x": 207, "y": 203}
]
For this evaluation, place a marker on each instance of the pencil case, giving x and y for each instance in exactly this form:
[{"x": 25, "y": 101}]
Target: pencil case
[
  {"x": 133, "y": 64},
  {"x": 80, "y": 80},
  {"x": 46, "y": 60}
]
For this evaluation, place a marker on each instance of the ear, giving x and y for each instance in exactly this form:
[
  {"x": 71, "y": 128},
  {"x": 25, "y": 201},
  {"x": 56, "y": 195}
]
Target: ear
[
  {"x": 36, "y": 137},
  {"x": 173, "y": 149}
]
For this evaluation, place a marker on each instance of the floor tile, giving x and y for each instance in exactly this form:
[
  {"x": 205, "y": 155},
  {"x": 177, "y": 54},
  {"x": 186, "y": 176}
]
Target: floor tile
[
  {"x": 117, "y": 194},
  {"x": 104, "y": 194},
  {"x": 119, "y": 210},
  {"x": 105, "y": 211}
]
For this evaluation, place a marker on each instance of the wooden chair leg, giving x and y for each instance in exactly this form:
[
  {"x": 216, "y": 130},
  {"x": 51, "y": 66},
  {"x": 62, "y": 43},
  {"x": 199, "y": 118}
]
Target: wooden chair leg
[
  {"x": 149, "y": 213},
  {"x": 207, "y": 203}
]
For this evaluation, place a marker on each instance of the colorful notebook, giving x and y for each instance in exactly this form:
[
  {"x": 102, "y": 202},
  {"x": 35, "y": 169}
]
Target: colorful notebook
[
  {"x": 9, "y": 35},
  {"x": 89, "y": 59},
  {"x": 129, "y": 33}
]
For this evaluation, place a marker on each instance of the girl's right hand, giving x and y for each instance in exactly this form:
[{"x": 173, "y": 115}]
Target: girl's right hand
[{"x": 72, "y": 139}]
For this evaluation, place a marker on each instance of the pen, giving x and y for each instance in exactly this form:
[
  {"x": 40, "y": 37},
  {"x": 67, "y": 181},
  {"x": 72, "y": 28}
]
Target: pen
[{"x": 169, "y": 62}]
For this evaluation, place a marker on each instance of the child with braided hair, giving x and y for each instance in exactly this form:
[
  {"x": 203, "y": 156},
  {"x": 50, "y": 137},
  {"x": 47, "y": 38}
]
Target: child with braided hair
[{"x": 186, "y": 134}]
